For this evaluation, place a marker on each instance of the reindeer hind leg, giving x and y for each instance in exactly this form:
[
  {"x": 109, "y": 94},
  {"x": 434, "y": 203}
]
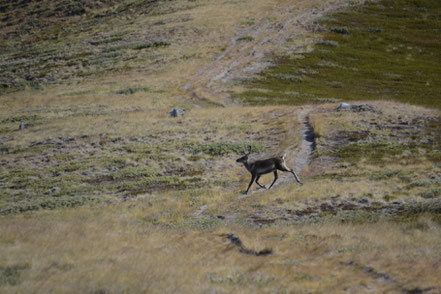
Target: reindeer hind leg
[
  {"x": 275, "y": 179},
  {"x": 257, "y": 182},
  {"x": 295, "y": 175},
  {"x": 283, "y": 167}
]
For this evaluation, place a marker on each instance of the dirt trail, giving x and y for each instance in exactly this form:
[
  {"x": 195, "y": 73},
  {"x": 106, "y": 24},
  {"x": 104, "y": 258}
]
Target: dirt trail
[{"x": 303, "y": 158}]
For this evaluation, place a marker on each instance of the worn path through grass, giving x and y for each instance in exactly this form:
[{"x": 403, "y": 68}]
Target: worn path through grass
[{"x": 103, "y": 192}]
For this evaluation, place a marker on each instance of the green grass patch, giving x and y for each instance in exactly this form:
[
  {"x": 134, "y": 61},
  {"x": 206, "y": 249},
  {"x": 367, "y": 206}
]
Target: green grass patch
[
  {"x": 374, "y": 153},
  {"x": 387, "y": 50},
  {"x": 11, "y": 275},
  {"x": 225, "y": 148},
  {"x": 22, "y": 118},
  {"x": 138, "y": 46},
  {"x": 246, "y": 39},
  {"x": 47, "y": 203},
  {"x": 385, "y": 175},
  {"x": 428, "y": 206},
  {"x": 148, "y": 184}
]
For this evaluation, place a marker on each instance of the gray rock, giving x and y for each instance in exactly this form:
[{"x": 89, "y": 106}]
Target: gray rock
[
  {"x": 55, "y": 190},
  {"x": 357, "y": 108},
  {"x": 23, "y": 126},
  {"x": 367, "y": 107},
  {"x": 177, "y": 112},
  {"x": 344, "y": 106}
]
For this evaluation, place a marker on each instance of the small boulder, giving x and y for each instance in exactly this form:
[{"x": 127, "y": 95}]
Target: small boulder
[
  {"x": 367, "y": 107},
  {"x": 344, "y": 106},
  {"x": 357, "y": 108},
  {"x": 54, "y": 190},
  {"x": 177, "y": 112},
  {"x": 23, "y": 126}
]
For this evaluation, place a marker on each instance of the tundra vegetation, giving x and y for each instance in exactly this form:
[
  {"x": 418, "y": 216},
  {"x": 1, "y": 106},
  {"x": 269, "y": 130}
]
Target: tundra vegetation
[{"x": 101, "y": 191}]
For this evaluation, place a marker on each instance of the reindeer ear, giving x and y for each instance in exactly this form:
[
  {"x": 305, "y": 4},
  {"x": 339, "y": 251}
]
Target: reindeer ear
[{"x": 249, "y": 149}]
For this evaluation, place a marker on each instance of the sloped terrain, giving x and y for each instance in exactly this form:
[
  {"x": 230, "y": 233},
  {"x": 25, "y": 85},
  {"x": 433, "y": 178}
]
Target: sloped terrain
[
  {"x": 102, "y": 191},
  {"x": 385, "y": 50}
]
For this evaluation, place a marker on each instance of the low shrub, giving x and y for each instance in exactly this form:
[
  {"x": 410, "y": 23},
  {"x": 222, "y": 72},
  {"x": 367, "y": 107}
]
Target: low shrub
[
  {"x": 225, "y": 148},
  {"x": 131, "y": 90},
  {"x": 246, "y": 38},
  {"x": 329, "y": 43},
  {"x": 340, "y": 30}
]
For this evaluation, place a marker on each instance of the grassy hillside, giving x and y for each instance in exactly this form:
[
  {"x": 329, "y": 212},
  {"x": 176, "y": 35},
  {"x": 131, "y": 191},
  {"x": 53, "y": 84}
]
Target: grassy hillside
[
  {"x": 387, "y": 50},
  {"x": 102, "y": 191}
]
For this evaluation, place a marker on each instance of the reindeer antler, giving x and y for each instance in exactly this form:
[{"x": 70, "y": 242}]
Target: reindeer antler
[{"x": 249, "y": 149}]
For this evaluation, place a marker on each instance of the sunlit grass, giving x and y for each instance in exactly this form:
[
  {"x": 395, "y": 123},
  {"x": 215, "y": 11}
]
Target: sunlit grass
[
  {"x": 53, "y": 251},
  {"x": 104, "y": 192}
]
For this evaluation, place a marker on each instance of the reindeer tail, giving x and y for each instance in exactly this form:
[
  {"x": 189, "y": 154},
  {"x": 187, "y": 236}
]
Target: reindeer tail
[{"x": 284, "y": 156}]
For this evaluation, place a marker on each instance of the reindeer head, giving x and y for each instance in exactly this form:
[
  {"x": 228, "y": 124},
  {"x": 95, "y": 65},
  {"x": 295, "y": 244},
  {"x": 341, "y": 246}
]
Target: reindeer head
[{"x": 244, "y": 158}]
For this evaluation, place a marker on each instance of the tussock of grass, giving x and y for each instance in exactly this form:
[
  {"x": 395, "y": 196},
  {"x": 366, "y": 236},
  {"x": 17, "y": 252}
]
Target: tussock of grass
[
  {"x": 11, "y": 275},
  {"x": 132, "y": 90},
  {"x": 246, "y": 38},
  {"x": 225, "y": 148}
]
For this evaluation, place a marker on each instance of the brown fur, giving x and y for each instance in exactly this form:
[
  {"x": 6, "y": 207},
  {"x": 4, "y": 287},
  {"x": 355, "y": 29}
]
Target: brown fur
[{"x": 261, "y": 167}]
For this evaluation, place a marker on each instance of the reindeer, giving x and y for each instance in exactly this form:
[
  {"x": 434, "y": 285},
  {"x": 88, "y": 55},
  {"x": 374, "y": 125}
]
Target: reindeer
[{"x": 261, "y": 167}]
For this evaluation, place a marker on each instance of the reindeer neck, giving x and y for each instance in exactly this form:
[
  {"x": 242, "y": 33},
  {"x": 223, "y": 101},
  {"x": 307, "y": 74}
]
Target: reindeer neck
[{"x": 248, "y": 165}]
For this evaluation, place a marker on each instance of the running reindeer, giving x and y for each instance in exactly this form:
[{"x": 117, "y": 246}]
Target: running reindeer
[{"x": 261, "y": 167}]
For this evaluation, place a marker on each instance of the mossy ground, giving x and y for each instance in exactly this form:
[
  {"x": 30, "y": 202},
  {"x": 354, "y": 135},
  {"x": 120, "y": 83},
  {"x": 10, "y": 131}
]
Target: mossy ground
[{"x": 383, "y": 50}]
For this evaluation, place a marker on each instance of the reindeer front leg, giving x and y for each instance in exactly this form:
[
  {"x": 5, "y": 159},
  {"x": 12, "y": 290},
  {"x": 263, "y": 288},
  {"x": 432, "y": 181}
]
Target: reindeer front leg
[
  {"x": 253, "y": 177},
  {"x": 257, "y": 182}
]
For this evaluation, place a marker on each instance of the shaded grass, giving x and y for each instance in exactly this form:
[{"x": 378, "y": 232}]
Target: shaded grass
[
  {"x": 57, "y": 45},
  {"x": 386, "y": 50}
]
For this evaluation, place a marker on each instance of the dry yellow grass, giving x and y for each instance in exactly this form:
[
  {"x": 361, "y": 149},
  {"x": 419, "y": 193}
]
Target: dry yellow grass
[
  {"x": 117, "y": 249},
  {"x": 175, "y": 241}
]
